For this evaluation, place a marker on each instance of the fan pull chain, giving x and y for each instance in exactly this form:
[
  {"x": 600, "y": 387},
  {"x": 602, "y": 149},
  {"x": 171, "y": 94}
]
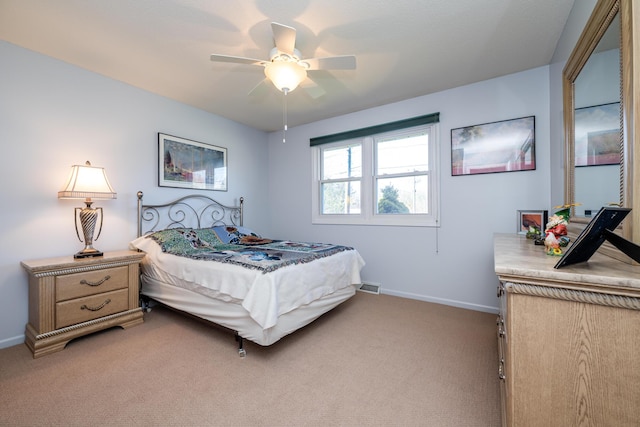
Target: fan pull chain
[{"x": 284, "y": 115}]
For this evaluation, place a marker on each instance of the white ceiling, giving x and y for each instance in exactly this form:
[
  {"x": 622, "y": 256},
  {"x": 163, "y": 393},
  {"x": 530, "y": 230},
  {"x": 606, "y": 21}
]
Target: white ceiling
[{"x": 403, "y": 48}]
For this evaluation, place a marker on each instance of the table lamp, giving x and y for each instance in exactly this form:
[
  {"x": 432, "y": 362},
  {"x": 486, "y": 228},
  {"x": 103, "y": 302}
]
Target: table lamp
[{"x": 87, "y": 182}]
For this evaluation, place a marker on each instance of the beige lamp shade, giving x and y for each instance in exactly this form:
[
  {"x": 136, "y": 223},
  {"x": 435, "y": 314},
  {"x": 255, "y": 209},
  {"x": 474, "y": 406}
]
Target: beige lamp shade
[{"x": 87, "y": 182}]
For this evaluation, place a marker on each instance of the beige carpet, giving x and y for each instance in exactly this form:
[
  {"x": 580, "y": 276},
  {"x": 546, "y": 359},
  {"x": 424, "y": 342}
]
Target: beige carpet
[{"x": 375, "y": 360}]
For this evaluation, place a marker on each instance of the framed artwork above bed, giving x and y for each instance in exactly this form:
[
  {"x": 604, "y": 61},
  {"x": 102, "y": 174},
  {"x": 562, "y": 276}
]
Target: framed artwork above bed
[{"x": 184, "y": 163}]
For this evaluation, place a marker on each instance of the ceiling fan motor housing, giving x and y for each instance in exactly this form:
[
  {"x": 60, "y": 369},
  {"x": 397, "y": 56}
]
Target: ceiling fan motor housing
[{"x": 277, "y": 55}]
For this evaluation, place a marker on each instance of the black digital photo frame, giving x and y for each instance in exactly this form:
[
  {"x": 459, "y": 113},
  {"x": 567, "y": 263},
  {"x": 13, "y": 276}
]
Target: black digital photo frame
[{"x": 599, "y": 229}]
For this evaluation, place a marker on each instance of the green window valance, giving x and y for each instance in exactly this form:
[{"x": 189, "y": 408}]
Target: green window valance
[{"x": 373, "y": 130}]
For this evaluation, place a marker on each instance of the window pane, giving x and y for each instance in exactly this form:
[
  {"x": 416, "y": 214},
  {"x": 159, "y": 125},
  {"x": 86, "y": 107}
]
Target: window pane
[
  {"x": 407, "y": 195},
  {"x": 341, "y": 197},
  {"x": 404, "y": 155},
  {"x": 342, "y": 162}
]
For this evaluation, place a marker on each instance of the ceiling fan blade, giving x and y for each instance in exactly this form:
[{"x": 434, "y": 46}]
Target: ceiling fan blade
[
  {"x": 284, "y": 37},
  {"x": 261, "y": 88},
  {"x": 312, "y": 88},
  {"x": 237, "y": 60},
  {"x": 346, "y": 62}
]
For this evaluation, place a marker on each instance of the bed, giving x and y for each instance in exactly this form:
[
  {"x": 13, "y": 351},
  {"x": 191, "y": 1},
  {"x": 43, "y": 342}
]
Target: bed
[{"x": 200, "y": 259}]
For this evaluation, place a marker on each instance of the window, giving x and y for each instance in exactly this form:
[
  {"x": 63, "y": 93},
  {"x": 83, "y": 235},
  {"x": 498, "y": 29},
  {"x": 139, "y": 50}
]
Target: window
[{"x": 384, "y": 175}]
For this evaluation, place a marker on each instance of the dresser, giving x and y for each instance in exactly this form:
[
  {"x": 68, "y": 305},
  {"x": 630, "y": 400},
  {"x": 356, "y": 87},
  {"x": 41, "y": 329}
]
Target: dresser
[
  {"x": 69, "y": 298},
  {"x": 568, "y": 339}
]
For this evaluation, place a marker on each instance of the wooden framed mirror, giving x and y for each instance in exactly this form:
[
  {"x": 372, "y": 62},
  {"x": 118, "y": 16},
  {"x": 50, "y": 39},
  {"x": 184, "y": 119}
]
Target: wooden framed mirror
[{"x": 599, "y": 101}]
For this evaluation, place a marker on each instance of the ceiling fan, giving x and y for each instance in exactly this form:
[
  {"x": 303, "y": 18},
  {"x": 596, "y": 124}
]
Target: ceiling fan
[{"x": 286, "y": 68}]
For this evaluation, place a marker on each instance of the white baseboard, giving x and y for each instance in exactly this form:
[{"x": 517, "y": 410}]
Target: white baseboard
[
  {"x": 10, "y": 342},
  {"x": 453, "y": 303}
]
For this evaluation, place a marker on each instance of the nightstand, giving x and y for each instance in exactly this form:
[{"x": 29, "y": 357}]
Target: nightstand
[{"x": 69, "y": 298}]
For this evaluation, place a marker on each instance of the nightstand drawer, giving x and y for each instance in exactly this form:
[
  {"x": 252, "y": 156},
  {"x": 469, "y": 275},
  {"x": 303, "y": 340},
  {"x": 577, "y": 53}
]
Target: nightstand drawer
[
  {"x": 87, "y": 283},
  {"x": 72, "y": 297},
  {"x": 92, "y": 307}
]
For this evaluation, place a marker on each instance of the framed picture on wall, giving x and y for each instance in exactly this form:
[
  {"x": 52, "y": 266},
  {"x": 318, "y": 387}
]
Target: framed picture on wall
[
  {"x": 183, "y": 163},
  {"x": 504, "y": 146},
  {"x": 536, "y": 219},
  {"x": 597, "y": 135}
]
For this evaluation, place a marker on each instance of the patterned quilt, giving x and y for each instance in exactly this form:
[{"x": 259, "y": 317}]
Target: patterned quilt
[{"x": 230, "y": 245}]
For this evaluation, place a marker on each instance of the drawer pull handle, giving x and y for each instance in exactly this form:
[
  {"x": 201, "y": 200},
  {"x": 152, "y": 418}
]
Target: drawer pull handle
[
  {"x": 501, "y": 375},
  {"x": 98, "y": 283},
  {"x": 100, "y": 307}
]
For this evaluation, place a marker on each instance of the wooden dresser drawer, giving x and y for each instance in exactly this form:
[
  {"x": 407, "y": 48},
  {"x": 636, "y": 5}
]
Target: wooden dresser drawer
[
  {"x": 92, "y": 307},
  {"x": 87, "y": 283}
]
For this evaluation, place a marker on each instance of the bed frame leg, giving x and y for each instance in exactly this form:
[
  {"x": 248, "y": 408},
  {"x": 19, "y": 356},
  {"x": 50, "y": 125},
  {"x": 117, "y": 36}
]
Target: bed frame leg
[
  {"x": 241, "y": 350},
  {"x": 145, "y": 304}
]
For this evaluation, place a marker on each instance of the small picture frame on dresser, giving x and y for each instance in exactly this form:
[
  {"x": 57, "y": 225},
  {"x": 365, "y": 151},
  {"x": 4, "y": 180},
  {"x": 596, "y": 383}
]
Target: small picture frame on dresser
[{"x": 532, "y": 218}]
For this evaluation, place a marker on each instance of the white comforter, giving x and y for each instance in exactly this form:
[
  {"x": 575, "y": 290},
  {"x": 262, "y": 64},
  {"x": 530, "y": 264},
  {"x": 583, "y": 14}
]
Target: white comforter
[{"x": 264, "y": 296}]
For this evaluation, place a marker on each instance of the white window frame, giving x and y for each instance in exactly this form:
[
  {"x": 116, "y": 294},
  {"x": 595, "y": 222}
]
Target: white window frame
[{"x": 368, "y": 209}]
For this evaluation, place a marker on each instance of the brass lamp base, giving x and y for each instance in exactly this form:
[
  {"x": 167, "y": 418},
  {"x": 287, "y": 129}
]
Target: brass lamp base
[{"x": 88, "y": 217}]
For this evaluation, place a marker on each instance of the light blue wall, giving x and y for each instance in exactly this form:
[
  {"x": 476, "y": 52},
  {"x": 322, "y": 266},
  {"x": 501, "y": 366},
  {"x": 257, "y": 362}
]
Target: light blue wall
[
  {"x": 452, "y": 264},
  {"x": 54, "y": 115}
]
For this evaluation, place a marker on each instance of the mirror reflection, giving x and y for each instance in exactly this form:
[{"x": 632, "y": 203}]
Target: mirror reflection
[{"x": 597, "y": 143}]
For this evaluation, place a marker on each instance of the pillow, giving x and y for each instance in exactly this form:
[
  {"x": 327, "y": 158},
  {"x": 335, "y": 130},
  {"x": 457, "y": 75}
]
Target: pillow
[
  {"x": 235, "y": 235},
  {"x": 183, "y": 241}
]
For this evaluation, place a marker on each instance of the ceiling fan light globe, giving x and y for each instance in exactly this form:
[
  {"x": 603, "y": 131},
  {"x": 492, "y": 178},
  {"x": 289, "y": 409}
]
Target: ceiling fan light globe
[{"x": 285, "y": 75}]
